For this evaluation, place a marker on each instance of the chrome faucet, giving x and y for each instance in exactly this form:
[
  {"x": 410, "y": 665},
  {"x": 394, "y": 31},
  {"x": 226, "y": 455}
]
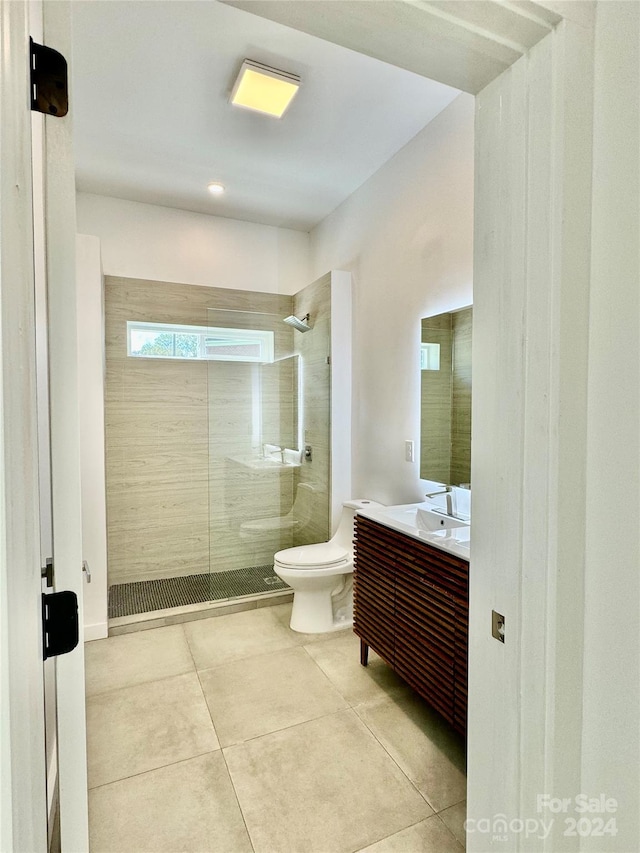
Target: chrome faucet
[{"x": 449, "y": 496}]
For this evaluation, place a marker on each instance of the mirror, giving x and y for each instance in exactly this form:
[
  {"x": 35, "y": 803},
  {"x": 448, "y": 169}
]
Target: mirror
[{"x": 445, "y": 412}]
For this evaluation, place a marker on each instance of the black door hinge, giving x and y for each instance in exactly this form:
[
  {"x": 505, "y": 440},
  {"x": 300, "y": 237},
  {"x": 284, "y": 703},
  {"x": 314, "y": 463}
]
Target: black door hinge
[
  {"x": 49, "y": 80},
  {"x": 47, "y": 571},
  {"x": 60, "y": 633}
]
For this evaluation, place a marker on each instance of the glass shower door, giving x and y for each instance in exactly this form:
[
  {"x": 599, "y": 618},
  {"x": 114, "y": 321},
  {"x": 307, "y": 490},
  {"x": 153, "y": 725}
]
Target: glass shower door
[{"x": 261, "y": 495}]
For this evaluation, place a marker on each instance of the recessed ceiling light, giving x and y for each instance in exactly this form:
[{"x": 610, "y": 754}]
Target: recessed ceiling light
[
  {"x": 264, "y": 89},
  {"x": 215, "y": 188}
]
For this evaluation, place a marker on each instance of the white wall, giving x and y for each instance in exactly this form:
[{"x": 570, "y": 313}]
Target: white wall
[
  {"x": 406, "y": 235},
  {"x": 92, "y": 445},
  {"x": 162, "y": 244}
]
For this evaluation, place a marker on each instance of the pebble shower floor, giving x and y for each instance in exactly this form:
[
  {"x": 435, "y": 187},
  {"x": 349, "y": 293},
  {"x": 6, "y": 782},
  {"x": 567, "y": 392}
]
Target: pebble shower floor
[{"x": 127, "y": 599}]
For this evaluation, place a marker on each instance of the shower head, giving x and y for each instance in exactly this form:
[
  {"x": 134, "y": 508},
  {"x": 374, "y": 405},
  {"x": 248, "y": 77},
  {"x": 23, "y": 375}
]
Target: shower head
[{"x": 301, "y": 325}]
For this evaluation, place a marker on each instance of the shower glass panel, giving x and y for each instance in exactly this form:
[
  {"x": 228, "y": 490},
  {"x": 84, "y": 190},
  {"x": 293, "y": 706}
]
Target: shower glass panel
[
  {"x": 208, "y": 412},
  {"x": 264, "y": 495}
]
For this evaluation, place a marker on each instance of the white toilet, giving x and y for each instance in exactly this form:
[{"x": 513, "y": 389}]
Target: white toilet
[{"x": 321, "y": 577}]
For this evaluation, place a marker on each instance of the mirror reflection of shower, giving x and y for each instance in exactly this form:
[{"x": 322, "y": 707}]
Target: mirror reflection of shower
[{"x": 301, "y": 324}]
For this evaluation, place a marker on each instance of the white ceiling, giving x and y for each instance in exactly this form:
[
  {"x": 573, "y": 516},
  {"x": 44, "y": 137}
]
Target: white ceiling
[{"x": 152, "y": 122}]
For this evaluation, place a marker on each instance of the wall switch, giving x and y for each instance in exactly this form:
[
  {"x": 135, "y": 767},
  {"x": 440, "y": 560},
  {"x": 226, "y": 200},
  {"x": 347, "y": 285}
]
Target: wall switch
[
  {"x": 408, "y": 452},
  {"x": 497, "y": 626}
]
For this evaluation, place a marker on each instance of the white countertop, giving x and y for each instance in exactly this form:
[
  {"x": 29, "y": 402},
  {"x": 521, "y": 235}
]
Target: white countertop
[{"x": 403, "y": 519}]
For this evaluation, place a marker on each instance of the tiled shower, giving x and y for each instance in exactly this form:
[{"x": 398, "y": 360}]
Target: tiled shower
[{"x": 215, "y": 459}]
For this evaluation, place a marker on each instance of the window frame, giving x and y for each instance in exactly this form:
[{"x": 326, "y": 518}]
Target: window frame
[{"x": 263, "y": 337}]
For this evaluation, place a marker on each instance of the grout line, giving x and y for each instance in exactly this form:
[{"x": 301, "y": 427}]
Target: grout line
[
  {"x": 245, "y": 658},
  {"x": 154, "y": 769},
  {"x": 404, "y": 773},
  {"x": 89, "y": 696},
  {"x": 450, "y": 831},
  {"x": 286, "y": 728},
  {"x": 188, "y": 644},
  {"x": 463, "y": 800},
  {"x": 331, "y": 684},
  {"x": 224, "y": 758},
  {"x": 204, "y": 696},
  {"x": 408, "y": 826}
]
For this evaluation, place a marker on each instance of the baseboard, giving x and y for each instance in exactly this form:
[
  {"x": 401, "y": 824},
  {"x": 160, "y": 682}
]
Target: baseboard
[{"x": 99, "y": 631}]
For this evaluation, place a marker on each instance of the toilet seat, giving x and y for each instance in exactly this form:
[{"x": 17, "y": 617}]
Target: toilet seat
[{"x": 325, "y": 554}]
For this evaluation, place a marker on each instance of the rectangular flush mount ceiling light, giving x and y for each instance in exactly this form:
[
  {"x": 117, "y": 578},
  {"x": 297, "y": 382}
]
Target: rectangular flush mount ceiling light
[{"x": 264, "y": 89}]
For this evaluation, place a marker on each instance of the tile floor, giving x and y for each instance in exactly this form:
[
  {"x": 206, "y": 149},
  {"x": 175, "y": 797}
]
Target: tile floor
[{"x": 235, "y": 734}]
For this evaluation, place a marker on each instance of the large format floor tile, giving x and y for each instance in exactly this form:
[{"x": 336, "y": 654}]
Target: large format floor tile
[
  {"x": 339, "y": 659},
  {"x": 147, "y": 726},
  {"x": 241, "y": 635},
  {"x": 325, "y": 785},
  {"x": 188, "y": 806},
  {"x": 429, "y": 752},
  {"x": 428, "y": 836},
  {"x": 145, "y": 656},
  {"x": 262, "y": 694}
]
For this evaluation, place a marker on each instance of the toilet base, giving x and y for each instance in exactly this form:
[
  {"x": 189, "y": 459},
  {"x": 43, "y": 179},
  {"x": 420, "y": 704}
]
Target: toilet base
[{"x": 313, "y": 613}]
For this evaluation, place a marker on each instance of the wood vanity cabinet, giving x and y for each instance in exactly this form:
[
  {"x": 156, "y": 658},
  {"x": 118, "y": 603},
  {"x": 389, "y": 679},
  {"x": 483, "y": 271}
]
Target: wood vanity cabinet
[{"x": 411, "y": 606}]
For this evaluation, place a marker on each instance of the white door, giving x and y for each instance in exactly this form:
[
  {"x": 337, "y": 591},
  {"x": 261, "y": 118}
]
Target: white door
[
  {"x": 23, "y": 808},
  {"x": 58, "y": 214},
  {"x": 37, "y": 210}
]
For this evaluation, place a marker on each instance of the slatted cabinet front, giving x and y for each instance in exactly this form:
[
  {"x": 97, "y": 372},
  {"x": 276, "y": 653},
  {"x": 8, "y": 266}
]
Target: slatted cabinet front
[{"x": 411, "y": 607}]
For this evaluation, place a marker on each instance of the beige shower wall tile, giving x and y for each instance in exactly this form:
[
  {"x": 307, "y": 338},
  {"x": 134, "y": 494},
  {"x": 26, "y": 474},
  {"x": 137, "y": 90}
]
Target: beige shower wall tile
[
  {"x": 318, "y": 431},
  {"x": 226, "y": 555},
  {"x": 317, "y": 436},
  {"x": 114, "y": 379},
  {"x": 167, "y": 563},
  {"x": 170, "y": 382},
  {"x": 165, "y": 540},
  {"x": 142, "y": 527},
  {"x": 155, "y": 526},
  {"x": 166, "y": 559},
  {"x": 314, "y": 299},
  {"x": 154, "y": 300},
  {"x": 144, "y": 465},
  {"x": 135, "y": 424},
  {"x": 157, "y": 502},
  {"x": 440, "y": 321}
]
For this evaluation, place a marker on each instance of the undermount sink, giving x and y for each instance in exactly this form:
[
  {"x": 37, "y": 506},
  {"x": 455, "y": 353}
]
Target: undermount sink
[{"x": 433, "y": 520}]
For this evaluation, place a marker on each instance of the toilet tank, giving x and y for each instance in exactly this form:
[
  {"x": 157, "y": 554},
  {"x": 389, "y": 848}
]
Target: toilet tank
[{"x": 344, "y": 534}]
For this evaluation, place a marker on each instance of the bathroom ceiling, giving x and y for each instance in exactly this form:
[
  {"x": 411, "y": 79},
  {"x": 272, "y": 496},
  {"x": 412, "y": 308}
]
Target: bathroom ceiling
[{"x": 152, "y": 122}]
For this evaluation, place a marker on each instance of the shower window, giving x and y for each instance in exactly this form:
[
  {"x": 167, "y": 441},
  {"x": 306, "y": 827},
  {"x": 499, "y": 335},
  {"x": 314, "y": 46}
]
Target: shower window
[{"x": 203, "y": 343}]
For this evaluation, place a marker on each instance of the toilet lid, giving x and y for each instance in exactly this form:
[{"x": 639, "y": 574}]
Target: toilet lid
[{"x": 311, "y": 556}]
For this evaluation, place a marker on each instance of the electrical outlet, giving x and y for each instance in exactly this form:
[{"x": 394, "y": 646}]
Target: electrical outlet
[{"x": 408, "y": 451}]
